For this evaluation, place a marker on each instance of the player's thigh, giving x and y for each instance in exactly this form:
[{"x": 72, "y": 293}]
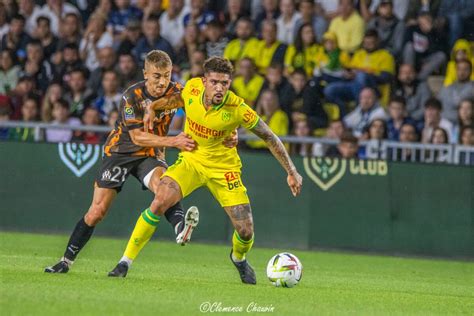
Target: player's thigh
[
  {"x": 242, "y": 219},
  {"x": 227, "y": 187},
  {"x": 103, "y": 197},
  {"x": 185, "y": 174},
  {"x": 114, "y": 171},
  {"x": 155, "y": 178},
  {"x": 149, "y": 171},
  {"x": 167, "y": 194}
]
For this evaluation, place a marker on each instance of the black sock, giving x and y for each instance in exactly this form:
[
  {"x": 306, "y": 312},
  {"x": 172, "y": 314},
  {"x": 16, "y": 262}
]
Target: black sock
[
  {"x": 79, "y": 238},
  {"x": 175, "y": 215}
]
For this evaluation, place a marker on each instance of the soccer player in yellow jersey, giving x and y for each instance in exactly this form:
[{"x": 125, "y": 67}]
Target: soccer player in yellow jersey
[{"x": 212, "y": 113}]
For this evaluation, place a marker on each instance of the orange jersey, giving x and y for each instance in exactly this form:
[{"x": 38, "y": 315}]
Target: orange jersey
[{"x": 131, "y": 112}]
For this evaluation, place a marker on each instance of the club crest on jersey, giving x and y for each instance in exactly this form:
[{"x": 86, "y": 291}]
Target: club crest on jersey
[
  {"x": 226, "y": 116},
  {"x": 79, "y": 158}
]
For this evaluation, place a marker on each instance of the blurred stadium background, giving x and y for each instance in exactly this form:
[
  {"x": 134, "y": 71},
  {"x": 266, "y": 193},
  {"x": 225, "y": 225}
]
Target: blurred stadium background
[{"x": 373, "y": 98}]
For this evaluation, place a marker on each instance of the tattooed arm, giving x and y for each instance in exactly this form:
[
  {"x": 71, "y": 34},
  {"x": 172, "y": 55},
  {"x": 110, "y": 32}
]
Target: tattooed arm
[
  {"x": 279, "y": 152},
  {"x": 173, "y": 101}
]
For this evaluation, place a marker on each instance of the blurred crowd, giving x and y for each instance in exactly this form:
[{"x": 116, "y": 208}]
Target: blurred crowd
[{"x": 370, "y": 70}]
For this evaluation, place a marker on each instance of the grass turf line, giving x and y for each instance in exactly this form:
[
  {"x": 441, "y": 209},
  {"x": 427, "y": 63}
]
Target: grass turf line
[{"x": 171, "y": 280}]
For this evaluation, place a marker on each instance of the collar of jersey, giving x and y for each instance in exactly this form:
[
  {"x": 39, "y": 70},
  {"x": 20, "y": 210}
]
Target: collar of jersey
[{"x": 217, "y": 106}]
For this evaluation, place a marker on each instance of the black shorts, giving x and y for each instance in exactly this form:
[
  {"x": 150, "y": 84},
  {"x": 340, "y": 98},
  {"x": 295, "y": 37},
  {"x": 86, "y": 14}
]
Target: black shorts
[{"x": 115, "y": 170}]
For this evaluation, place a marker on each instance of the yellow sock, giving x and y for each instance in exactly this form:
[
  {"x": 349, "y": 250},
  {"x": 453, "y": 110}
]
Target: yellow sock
[
  {"x": 240, "y": 247},
  {"x": 144, "y": 229}
]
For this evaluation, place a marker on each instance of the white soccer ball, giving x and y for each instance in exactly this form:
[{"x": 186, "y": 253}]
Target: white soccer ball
[{"x": 284, "y": 269}]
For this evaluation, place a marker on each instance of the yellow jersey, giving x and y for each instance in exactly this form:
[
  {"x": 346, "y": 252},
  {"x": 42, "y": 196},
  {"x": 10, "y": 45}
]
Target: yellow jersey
[
  {"x": 305, "y": 60},
  {"x": 236, "y": 50},
  {"x": 374, "y": 62},
  {"x": 248, "y": 90},
  {"x": 208, "y": 128},
  {"x": 266, "y": 55},
  {"x": 350, "y": 32}
]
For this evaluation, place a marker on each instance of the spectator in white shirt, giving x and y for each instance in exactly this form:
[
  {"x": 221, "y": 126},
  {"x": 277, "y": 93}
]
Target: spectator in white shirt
[
  {"x": 368, "y": 110},
  {"x": 172, "y": 23},
  {"x": 55, "y": 10},
  {"x": 287, "y": 21}
]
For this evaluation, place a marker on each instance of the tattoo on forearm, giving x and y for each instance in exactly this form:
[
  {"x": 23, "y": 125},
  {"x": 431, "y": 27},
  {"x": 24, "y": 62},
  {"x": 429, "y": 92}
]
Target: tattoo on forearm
[
  {"x": 173, "y": 102},
  {"x": 275, "y": 145}
]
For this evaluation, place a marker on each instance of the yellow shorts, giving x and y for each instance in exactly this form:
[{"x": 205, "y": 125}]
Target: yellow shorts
[{"x": 225, "y": 184}]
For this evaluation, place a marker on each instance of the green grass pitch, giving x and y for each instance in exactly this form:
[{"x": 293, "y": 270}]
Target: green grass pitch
[{"x": 171, "y": 280}]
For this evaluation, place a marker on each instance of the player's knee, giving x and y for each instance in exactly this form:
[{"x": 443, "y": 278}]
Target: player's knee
[
  {"x": 245, "y": 232},
  {"x": 95, "y": 214},
  {"x": 159, "y": 205}
]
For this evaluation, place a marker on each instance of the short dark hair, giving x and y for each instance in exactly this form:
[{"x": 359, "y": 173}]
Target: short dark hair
[
  {"x": 158, "y": 58},
  {"x": 219, "y": 65},
  {"x": 245, "y": 19},
  {"x": 18, "y": 17},
  {"x": 43, "y": 18},
  {"x": 84, "y": 72},
  {"x": 347, "y": 137},
  {"x": 398, "y": 99},
  {"x": 34, "y": 97},
  {"x": 417, "y": 135},
  {"x": 72, "y": 46},
  {"x": 371, "y": 33},
  {"x": 434, "y": 103},
  {"x": 307, "y": 1},
  {"x": 153, "y": 18},
  {"x": 128, "y": 54},
  {"x": 35, "y": 42},
  {"x": 299, "y": 71},
  {"x": 216, "y": 23},
  {"x": 63, "y": 103}
]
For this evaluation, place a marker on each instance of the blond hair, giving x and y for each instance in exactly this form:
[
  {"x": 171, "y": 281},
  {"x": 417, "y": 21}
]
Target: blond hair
[{"x": 158, "y": 58}]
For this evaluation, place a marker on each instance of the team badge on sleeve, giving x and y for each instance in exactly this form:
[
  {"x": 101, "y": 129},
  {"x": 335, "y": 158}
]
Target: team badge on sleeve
[{"x": 129, "y": 113}]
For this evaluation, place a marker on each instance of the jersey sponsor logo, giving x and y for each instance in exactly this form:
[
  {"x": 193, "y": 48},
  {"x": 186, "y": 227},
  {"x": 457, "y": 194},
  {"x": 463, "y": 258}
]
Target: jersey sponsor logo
[
  {"x": 326, "y": 172},
  {"x": 203, "y": 131},
  {"x": 167, "y": 112},
  {"x": 233, "y": 180},
  {"x": 79, "y": 158},
  {"x": 249, "y": 116},
  {"x": 226, "y": 116},
  {"x": 129, "y": 113}
]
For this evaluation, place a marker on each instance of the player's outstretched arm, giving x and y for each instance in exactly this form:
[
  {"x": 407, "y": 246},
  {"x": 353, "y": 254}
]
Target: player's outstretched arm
[
  {"x": 173, "y": 101},
  {"x": 182, "y": 141},
  {"x": 279, "y": 152}
]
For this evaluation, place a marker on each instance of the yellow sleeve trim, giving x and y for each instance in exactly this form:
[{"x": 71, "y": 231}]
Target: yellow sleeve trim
[{"x": 255, "y": 124}]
